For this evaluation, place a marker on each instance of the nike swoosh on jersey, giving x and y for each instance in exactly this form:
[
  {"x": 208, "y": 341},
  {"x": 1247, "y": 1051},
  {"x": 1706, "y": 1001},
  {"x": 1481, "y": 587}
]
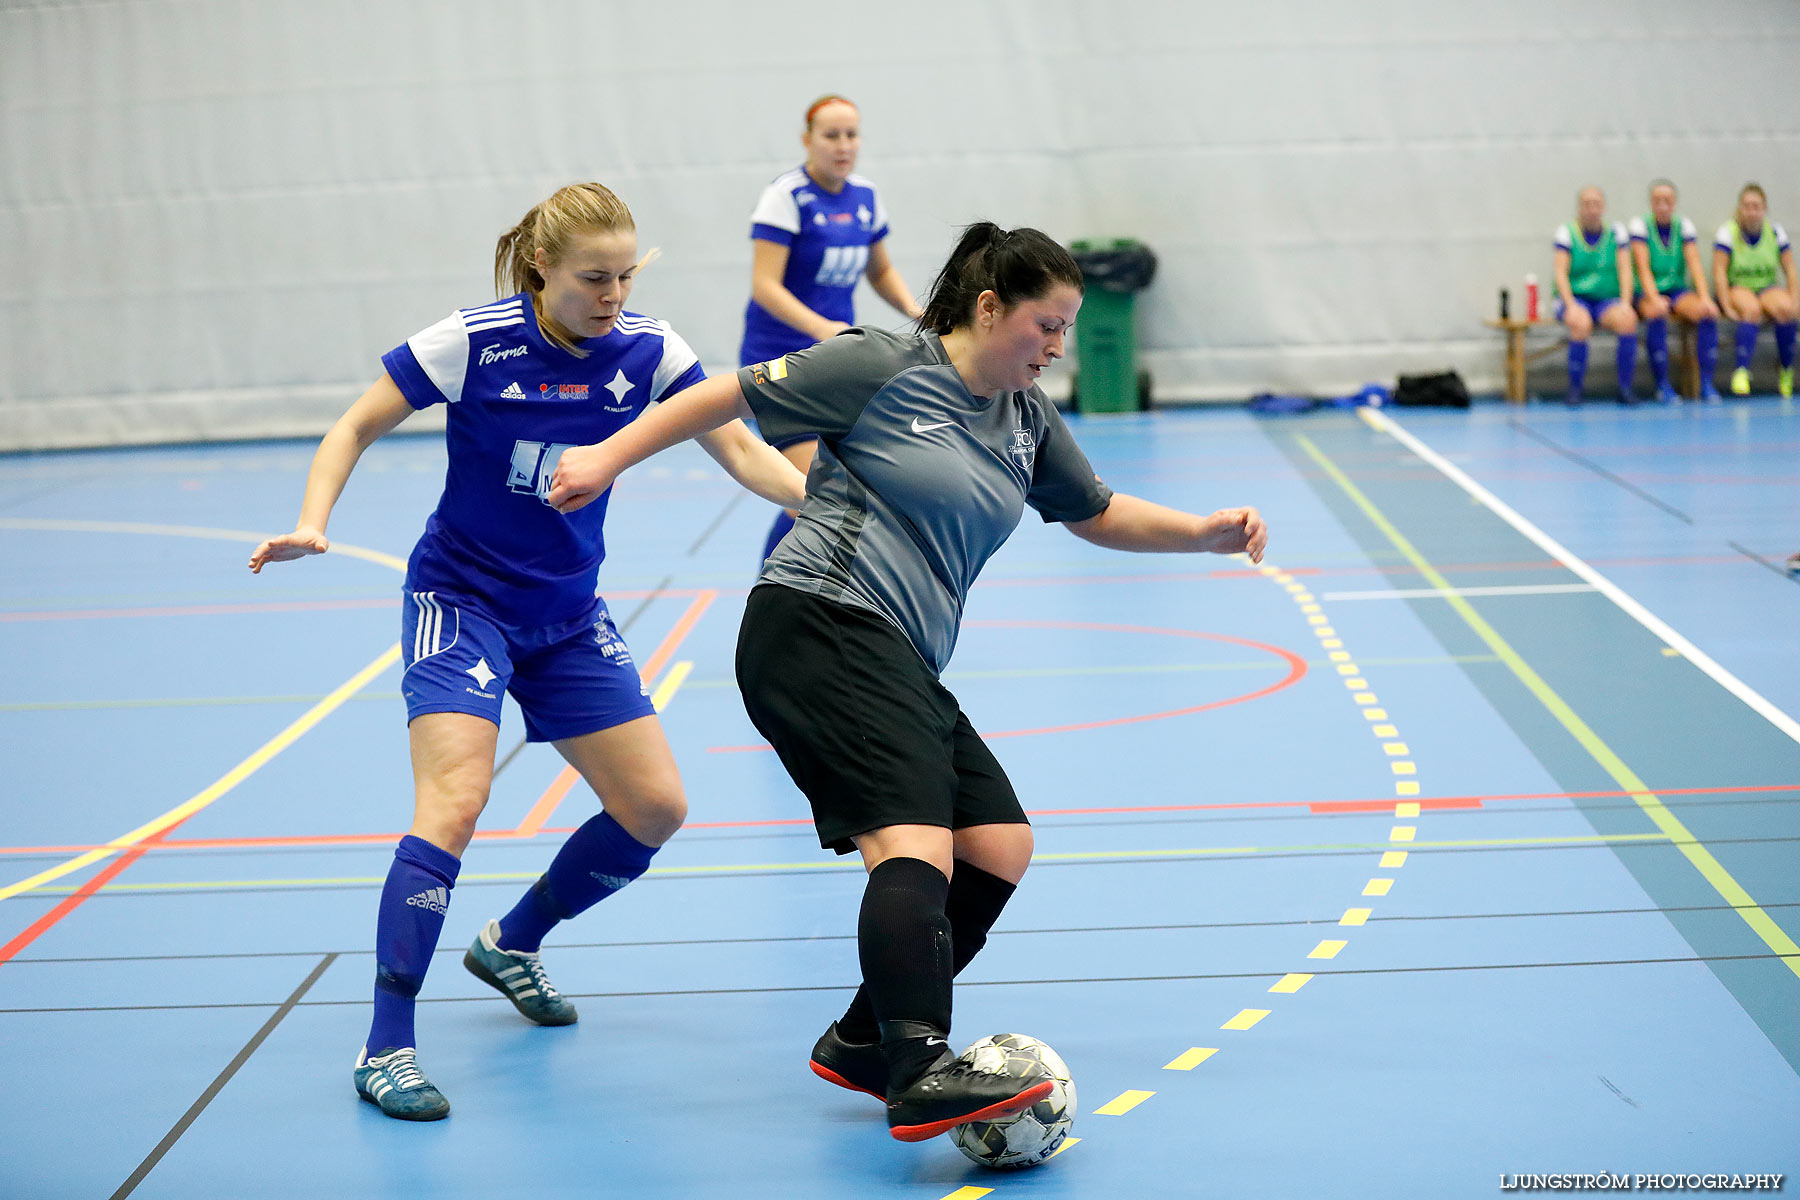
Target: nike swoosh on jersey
[{"x": 918, "y": 428}]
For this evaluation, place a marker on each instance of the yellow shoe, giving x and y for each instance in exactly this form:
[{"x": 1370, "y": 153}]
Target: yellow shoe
[
  {"x": 1740, "y": 382},
  {"x": 1784, "y": 383}
]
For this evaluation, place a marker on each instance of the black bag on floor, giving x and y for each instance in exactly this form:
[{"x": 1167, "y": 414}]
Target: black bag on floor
[{"x": 1444, "y": 390}]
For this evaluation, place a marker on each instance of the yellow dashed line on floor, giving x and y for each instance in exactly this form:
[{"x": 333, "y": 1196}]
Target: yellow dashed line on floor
[
  {"x": 1328, "y": 948},
  {"x": 1355, "y": 916},
  {"x": 1191, "y": 1058},
  {"x": 1392, "y": 859},
  {"x": 1377, "y": 887},
  {"x": 1121, "y": 1104},
  {"x": 1290, "y": 983},
  {"x": 1246, "y": 1018}
]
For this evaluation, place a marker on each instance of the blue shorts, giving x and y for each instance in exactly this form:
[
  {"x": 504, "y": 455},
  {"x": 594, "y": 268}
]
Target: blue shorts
[
  {"x": 1672, "y": 295},
  {"x": 569, "y": 679},
  {"x": 1595, "y": 305}
]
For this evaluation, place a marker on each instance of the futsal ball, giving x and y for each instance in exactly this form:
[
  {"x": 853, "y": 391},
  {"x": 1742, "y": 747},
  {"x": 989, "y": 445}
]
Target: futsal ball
[{"x": 1030, "y": 1137}]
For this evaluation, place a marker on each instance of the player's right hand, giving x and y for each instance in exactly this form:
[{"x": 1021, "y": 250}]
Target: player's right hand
[
  {"x": 288, "y": 546},
  {"x": 583, "y": 473}
]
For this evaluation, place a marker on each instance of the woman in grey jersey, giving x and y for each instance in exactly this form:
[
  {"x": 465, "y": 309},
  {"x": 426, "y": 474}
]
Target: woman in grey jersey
[{"x": 930, "y": 446}]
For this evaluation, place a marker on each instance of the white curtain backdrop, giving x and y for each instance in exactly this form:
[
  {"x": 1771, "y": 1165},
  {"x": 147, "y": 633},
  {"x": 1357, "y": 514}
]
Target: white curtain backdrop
[{"x": 215, "y": 215}]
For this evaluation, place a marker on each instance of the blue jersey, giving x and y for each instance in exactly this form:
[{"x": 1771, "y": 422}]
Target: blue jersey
[
  {"x": 517, "y": 401},
  {"x": 828, "y": 238}
]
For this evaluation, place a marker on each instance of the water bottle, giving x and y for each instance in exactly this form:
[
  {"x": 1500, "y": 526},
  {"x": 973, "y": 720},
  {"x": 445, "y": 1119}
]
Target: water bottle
[
  {"x": 1505, "y": 304},
  {"x": 1531, "y": 298}
]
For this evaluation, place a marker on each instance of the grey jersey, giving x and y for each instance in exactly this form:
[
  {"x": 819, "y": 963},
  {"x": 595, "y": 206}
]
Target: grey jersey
[{"x": 916, "y": 482}]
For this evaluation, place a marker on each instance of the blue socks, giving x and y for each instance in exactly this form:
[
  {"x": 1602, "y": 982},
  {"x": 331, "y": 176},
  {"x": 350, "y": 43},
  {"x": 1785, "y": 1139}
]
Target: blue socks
[
  {"x": 413, "y": 902},
  {"x": 1625, "y": 362},
  {"x": 596, "y": 861},
  {"x": 1784, "y": 343},
  {"x": 1656, "y": 341},
  {"x": 1577, "y": 367},
  {"x": 1706, "y": 349},
  {"x": 1746, "y": 342},
  {"x": 777, "y": 531}
]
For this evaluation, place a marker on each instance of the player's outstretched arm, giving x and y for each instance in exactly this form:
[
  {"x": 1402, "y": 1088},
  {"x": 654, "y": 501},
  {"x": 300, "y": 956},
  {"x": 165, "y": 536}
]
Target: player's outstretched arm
[
  {"x": 378, "y": 410},
  {"x": 755, "y": 464},
  {"x": 583, "y": 473},
  {"x": 1130, "y": 523}
]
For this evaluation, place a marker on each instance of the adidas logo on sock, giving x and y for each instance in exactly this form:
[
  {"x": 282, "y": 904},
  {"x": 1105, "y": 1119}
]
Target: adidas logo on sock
[
  {"x": 513, "y": 391},
  {"x": 436, "y": 900},
  {"x": 615, "y": 882}
]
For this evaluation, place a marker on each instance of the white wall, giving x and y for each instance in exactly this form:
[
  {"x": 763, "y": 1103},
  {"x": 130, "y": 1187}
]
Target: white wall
[{"x": 215, "y": 215}]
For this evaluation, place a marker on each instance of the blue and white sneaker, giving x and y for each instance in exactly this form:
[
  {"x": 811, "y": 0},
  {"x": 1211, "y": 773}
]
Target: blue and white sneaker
[
  {"x": 393, "y": 1083},
  {"x": 519, "y": 976},
  {"x": 1666, "y": 394}
]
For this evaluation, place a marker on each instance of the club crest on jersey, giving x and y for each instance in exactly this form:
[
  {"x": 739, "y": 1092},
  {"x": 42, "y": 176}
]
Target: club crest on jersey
[
  {"x": 564, "y": 391},
  {"x": 1024, "y": 448},
  {"x": 763, "y": 372}
]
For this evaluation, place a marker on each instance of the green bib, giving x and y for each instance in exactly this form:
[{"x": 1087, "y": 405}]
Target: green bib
[
  {"x": 1754, "y": 267},
  {"x": 1593, "y": 270},
  {"x": 1668, "y": 262}
]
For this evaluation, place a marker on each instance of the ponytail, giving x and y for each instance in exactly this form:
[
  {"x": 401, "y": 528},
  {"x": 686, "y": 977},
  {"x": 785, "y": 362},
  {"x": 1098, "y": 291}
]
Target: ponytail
[{"x": 1016, "y": 264}]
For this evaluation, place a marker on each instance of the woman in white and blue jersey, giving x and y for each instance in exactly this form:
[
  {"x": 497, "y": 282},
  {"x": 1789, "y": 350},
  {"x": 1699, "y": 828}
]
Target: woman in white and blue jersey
[
  {"x": 500, "y": 598},
  {"x": 817, "y": 229}
]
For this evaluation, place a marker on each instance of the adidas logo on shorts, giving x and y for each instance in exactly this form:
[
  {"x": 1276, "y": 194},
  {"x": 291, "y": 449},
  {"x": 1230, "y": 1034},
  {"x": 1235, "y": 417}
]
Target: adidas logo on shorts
[
  {"x": 513, "y": 391},
  {"x": 435, "y": 900}
]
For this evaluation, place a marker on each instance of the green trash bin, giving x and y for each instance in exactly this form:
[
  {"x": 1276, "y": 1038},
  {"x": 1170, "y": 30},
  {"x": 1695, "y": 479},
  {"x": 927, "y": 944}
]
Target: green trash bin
[{"x": 1107, "y": 375}]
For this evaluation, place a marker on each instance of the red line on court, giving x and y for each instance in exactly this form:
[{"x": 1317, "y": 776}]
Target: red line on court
[
  {"x": 1321, "y": 807},
  {"x": 197, "y": 610},
  {"x": 76, "y": 899}
]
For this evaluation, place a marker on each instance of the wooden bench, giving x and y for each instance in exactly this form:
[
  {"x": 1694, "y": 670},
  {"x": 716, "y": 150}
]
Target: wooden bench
[{"x": 1684, "y": 367}]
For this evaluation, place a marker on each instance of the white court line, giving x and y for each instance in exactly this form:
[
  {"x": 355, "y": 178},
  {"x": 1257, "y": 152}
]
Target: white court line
[
  {"x": 1601, "y": 583},
  {"x": 1542, "y": 589}
]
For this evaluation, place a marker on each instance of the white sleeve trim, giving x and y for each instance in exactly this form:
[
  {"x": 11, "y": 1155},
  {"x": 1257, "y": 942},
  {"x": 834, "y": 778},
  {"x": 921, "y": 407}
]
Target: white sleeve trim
[
  {"x": 677, "y": 359},
  {"x": 777, "y": 208},
  {"x": 1722, "y": 239},
  {"x": 1781, "y": 239},
  {"x": 1563, "y": 241},
  {"x": 1688, "y": 232},
  {"x": 443, "y": 354},
  {"x": 1638, "y": 229}
]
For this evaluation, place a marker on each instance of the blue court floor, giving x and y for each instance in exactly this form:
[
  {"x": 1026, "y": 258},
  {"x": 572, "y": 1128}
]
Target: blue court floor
[{"x": 1459, "y": 841}]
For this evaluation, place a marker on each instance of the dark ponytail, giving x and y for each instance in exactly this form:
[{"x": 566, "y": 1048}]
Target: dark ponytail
[{"x": 1017, "y": 264}]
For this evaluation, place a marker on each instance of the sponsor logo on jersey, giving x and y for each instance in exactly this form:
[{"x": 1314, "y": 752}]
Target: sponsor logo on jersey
[
  {"x": 803, "y": 198},
  {"x": 564, "y": 391},
  {"x": 435, "y": 900},
  {"x": 919, "y": 428},
  {"x": 841, "y": 218},
  {"x": 494, "y": 354},
  {"x": 762, "y": 372},
  {"x": 818, "y": 218},
  {"x": 1023, "y": 448},
  {"x": 864, "y": 215},
  {"x": 513, "y": 391}
]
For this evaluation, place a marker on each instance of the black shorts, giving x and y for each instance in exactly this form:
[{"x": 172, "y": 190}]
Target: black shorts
[{"x": 861, "y": 724}]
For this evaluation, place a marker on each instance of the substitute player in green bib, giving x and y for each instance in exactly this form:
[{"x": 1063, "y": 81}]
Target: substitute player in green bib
[
  {"x": 1751, "y": 260},
  {"x": 1593, "y": 287},
  {"x": 1665, "y": 252}
]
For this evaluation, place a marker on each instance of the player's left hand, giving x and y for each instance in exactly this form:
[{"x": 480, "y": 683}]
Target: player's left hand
[
  {"x": 583, "y": 474},
  {"x": 1240, "y": 531}
]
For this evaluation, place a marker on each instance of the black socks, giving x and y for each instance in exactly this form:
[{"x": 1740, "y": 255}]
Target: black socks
[
  {"x": 903, "y": 940},
  {"x": 973, "y": 904}
]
